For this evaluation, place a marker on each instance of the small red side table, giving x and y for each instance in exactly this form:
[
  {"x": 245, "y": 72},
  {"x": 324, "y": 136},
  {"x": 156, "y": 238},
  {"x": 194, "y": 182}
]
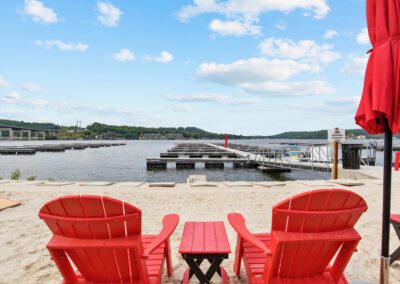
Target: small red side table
[
  {"x": 396, "y": 161},
  {"x": 204, "y": 241}
]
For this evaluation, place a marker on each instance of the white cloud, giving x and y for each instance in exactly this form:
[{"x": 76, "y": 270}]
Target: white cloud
[
  {"x": 252, "y": 70},
  {"x": 16, "y": 99},
  {"x": 292, "y": 89},
  {"x": 272, "y": 74},
  {"x": 31, "y": 87},
  {"x": 220, "y": 99},
  {"x": 12, "y": 97},
  {"x": 3, "y": 82},
  {"x": 37, "y": 103},
  {"x": 356, "y": 65},
  {"x": 330, "y": 34},
  {"x": 252, "y": 8},
  {"x": 235, "y": 28},
  {"x": 281, "y": 25},
  {"x": 304, "y": 50},
  {"x": 109, "y": 15},
  {"x": 182, "y": 108},
  {"x": 165, "y": 57},
  {"x": 338, "y": 105},
  {"x": 62, "y": 45},
  {"x": 363, "y": 37},
  {"x": 39, "y": 12},
  {"x": 124, "y": 54},
  {"x": 265, "y": 76}
]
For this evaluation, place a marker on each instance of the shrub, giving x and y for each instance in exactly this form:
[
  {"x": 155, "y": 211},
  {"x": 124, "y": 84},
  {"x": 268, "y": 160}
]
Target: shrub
[
  {"x": 31, "y": 178},
  {"x": 16, "y": 175}
]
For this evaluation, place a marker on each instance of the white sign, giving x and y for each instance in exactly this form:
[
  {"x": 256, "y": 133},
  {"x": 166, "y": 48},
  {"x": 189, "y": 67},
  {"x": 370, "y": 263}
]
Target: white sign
[{"x": 336, "y": 135}]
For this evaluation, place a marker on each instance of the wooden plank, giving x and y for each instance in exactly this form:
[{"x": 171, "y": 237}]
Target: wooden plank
[
  {"x": 198, "y": 238},
  {"x": 187, "y": 238},
  {"x": 210, "y": 238},
  {"x": 222, "y": 238}
]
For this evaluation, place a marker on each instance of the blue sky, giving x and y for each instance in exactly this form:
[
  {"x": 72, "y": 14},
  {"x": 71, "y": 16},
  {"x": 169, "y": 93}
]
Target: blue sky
[{"x": 236, "y": 66}]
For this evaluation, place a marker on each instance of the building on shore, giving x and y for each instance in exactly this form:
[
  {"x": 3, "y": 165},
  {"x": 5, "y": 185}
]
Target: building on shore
[{"x": 168, "y": 136}]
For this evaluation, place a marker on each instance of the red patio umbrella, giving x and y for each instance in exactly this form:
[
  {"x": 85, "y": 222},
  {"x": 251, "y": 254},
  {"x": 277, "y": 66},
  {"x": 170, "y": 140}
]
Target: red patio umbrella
[{"x": 379, "y": 109}]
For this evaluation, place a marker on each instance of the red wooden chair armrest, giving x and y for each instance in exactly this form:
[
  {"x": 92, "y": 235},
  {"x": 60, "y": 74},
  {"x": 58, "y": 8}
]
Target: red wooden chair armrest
[
  {"x": 238, "y": 223},
  {"x": 170, "y": 222},
  {"x": 342, "y": 235},
  {"x": 61, "y": 242}
]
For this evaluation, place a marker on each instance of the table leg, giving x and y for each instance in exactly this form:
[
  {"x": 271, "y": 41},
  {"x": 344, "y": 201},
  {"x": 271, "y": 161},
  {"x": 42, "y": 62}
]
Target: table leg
[
  {"x": 396, "y": 254},
  {"x": 224, "y": 276},
  {"x": 204, "y": 277},
  {"x": 194, "y": 267},
  {"x": 199, "y": 261},
  {"x": 215, "y": 266}
]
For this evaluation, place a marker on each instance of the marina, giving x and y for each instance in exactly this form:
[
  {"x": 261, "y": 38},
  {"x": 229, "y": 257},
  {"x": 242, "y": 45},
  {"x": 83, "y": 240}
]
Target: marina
[
  {"x": 277, "y": 158},
  {"x": 172, "y": 161}
]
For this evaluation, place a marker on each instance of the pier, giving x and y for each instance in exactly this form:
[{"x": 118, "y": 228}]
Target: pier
[
  {"x": 33, "y": 149},
  {"x": 192, "y": 155},
  {"x": 312, "y": 157},
  {"x": 210, "y": 156},
  {"x": 277, "y": 158}
]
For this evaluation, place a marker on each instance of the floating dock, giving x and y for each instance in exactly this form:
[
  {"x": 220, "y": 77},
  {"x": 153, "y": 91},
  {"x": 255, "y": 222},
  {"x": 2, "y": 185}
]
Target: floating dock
[
  {"x": 32, "y": 149},
  {"x": 208, "y": 156},
  {"x": 277, "y": 158}
]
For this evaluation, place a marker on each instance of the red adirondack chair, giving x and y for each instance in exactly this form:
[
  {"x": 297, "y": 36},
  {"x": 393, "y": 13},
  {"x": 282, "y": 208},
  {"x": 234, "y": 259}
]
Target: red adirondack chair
[
  {"x": 308, "y": 230},
  {"x": 103, "y": 238}
]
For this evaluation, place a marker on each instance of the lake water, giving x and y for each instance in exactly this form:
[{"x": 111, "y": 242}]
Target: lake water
[{"x": 128, "y": 163}]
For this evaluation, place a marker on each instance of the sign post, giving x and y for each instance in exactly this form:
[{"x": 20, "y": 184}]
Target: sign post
[{"x": 336, "y": 136}]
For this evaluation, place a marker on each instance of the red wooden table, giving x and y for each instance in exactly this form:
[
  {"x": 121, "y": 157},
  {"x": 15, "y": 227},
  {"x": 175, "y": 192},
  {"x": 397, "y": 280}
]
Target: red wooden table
[{"x": 204, "y": 241}]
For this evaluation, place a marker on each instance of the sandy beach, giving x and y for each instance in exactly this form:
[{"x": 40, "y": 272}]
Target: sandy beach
[{"x": 23, "y": 235}]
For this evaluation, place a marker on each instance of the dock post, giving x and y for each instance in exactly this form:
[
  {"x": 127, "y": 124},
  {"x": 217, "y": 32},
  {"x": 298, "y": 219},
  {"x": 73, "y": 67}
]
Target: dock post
[{"x": 335, "y": 160}]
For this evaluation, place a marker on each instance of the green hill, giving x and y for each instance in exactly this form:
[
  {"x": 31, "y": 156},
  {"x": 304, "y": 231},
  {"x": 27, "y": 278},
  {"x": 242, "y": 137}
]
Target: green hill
[
  {"x": 33, "y": 125},
  {"x": 113, "y": 131},
  {"x": 137, "y": 132}
]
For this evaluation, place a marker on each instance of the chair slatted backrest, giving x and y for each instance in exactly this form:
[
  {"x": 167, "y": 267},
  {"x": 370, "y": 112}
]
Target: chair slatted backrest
[
  {"x": 96, "y": 217},
  {"x": 317, "y": 211}
]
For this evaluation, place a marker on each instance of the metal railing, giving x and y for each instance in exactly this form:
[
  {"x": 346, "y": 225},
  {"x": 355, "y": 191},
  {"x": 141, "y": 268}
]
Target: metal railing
[{"x": 303, "y": 156}]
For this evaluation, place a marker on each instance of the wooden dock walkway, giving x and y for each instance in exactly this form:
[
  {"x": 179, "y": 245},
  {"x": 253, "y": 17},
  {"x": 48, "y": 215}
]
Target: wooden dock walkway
[
  {"x": 33, "y": 149},
  {"x": 274, "y": 158}
]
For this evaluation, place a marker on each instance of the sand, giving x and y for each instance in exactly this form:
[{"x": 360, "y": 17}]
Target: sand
[{"x": 23, "y": 236}]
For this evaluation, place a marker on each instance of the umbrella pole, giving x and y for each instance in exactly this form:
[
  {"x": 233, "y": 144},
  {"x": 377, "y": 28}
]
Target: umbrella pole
[{"x": 387, "y": 187}]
